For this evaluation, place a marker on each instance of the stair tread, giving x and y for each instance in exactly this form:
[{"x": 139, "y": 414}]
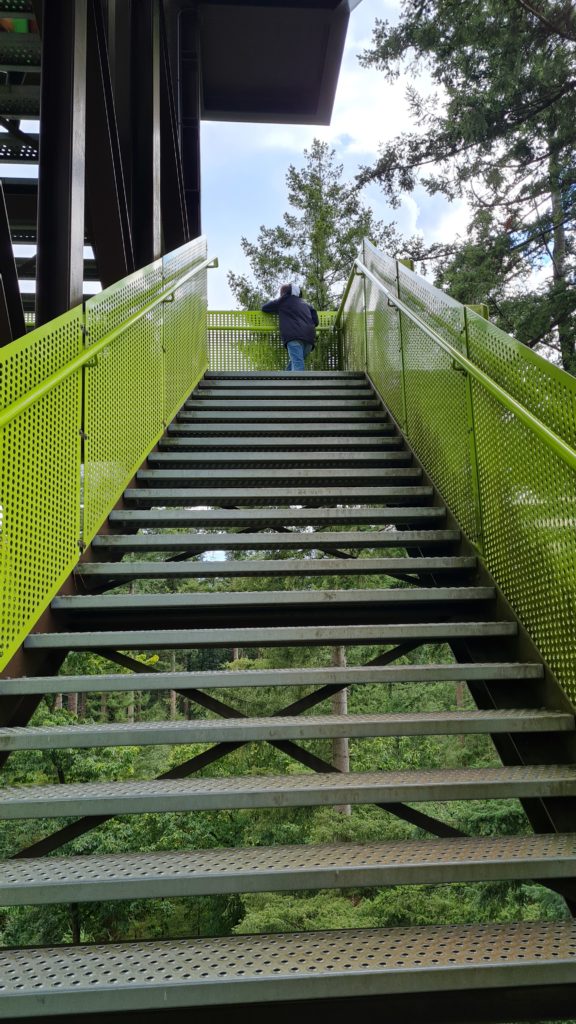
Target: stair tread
[
  {"x": 239, "y": 969},
  {"x": 286, "y": 429},
  {"x": 275, "y": 567},
  {"x": 245, "y": 416},
  {"x": 270, "y": 636},
  {"x": 294, "y": 404},
  {"x": 296, "y": 727},
  {"x": 280, "y": 443},
  {"x": 367, "y": 675},
  {"x": 167, "y": 975},
  {"x": 307, "y": 460},
  {"x": 257, "y": 869},
  {"x": 271, "y": 495},
  {"x": 393, "y": 596},
  {"x": 271, "y": 517},
  {"x": 250, "y": 476},
  {"x": 252, "y": 541},
  {"x": 265, "y": 391},
  {"x": 297, "y": 790}
]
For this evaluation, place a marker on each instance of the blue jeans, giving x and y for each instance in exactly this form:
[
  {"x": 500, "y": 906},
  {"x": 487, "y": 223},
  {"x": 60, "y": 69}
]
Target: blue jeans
[{"x": 297, "y": 353}]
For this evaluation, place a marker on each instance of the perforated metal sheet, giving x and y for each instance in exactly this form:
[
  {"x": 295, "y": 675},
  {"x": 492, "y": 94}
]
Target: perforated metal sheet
[
  {"x": 384, "y": 360},
  {"x": 505, "y": 486},
  {"x": 265, "y": 968},
  {"x": 184, "y": 325},
  {"x": 124, "y": 391},
  {"x": 304, "y": 790},
  {"x": 282, "y": 727},
  {"x": 272, "y": 869},
  {"x": 251, "y": 341},
  {"x": 39, "y": 476}
]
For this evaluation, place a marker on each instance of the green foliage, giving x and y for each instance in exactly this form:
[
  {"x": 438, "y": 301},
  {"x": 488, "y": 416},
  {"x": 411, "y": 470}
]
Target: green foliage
[
  {"x": 499, "y": 131},
  {"x": 318, "y": 239}
]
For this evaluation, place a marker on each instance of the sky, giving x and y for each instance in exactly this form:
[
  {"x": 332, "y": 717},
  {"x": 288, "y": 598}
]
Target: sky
[{"x": 244, "y": 165}]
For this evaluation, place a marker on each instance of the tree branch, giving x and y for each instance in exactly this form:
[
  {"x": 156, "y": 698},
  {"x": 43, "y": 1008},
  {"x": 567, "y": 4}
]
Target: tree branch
[{"x": 544, "y": 20}]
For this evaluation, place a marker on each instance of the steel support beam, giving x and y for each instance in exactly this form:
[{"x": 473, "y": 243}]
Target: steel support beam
[
  {"x": 145, "y": 114},
  {"x": 62, "y": 156},
  {"x": 174, "y": 213},
  {"x": 189, "y": 111},
  {"x": 109, "y": 214},
  {"x": 12, "y": 323},
  {"x": 120, "y": 64}
]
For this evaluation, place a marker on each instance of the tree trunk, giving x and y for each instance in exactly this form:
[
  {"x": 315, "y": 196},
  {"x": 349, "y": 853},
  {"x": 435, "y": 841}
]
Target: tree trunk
[
  {"x": 72, "y": 703},
  {"x": 173, "y": 705},
  {"x": 81, "y": 705},
  {"x": 559, "y": 269},
  {"x": 340, "y": 746},
  {"x": 103, "y": 707},
  {"x": 57, "y": 702}
]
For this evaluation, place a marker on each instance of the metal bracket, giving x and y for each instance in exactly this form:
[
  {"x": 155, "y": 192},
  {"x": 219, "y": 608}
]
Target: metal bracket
[{"x": 459, "y": 369}]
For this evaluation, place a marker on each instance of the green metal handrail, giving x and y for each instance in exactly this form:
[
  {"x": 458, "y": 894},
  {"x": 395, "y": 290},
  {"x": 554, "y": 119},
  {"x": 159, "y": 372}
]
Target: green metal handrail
[
  {"x": 559, "y": 446},
  {"x": 45, "y": 386}
]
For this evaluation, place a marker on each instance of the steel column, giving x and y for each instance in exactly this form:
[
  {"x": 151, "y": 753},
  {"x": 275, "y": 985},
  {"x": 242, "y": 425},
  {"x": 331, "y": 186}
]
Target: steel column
[
  {"x": 60, "y": 263},
  {"x": 189, "y": 103},
  {"x": 145, "y": 113},
  {"x": 174, "y": 214},
  {"x": 109, "y": 215},
  {"x": 11, "y": 311}
]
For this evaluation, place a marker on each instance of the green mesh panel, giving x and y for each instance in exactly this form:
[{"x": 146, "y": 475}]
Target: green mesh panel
[
  {"x": 353, "y": 328},
  {"x": 124, "y": 391},
  {"x": 384, "y": 362},
  {"x": 546, "y": 390},
  {"x": 39, "y": 476},
  {"x": 529, "y": 519},
  {"x": 185, "y": 348},
  {"x": 250, "y": 340},
  {"x": 491, "y": 470}
]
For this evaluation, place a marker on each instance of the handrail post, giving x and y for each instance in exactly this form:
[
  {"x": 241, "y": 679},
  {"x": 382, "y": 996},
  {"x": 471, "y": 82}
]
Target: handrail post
[
  {"x": 482, "y": 310},
  {"x": 406, "y": 262}
]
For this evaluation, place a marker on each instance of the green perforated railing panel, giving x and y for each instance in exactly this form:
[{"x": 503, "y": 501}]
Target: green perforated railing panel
[
  {"x": 383, "y": 320},
  {"x": 184, "y": 341},
  {"x": 505, "y": 484},
  {"x": 239, "y": 340},
  {"x": 39, "y": 476},
  {"x": 124, "y": 391},
  {"x": 68, "y": 452},
  {"x": 353, "y": 328}
]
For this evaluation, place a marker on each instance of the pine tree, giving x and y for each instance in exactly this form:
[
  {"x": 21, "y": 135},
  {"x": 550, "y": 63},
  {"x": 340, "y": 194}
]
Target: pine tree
[
  {"x": 318, "y": 239},
  {"x": 499, "y": 131}
]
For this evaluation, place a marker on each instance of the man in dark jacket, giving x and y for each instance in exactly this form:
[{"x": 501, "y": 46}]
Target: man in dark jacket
[{"x": 298, "y": 322}]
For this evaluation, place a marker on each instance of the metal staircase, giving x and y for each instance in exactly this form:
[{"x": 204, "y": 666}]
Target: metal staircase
[{"x": 312, "y": 467}]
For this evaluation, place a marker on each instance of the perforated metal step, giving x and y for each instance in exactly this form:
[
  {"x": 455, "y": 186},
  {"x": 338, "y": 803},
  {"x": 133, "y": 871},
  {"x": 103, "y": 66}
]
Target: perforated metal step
[
  {"x": 274, "y": 567},
  {"x": 201, "y": 542},
  {"x": 238, "y": 599},
  {"x": 302, "y": 790},
  {"x": 247, "y": 417},
  {"x": 285, "y": 677},
  {"x": 268, "y": 968},
  {"x": 301, "y": 477},
  {"x": 275, "y": 517},
  {"x": 185, "y": 440},
  {"x": 280, "y": 636},
  {"x": 279, "y": 868},
  {"x": 266, "y": 496},
  {"x": 281, "y": 460},
  {"x": 307, "y": 404},
  {"x": 265, "y": 391},
  {"x": 445, "y": 723}
]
